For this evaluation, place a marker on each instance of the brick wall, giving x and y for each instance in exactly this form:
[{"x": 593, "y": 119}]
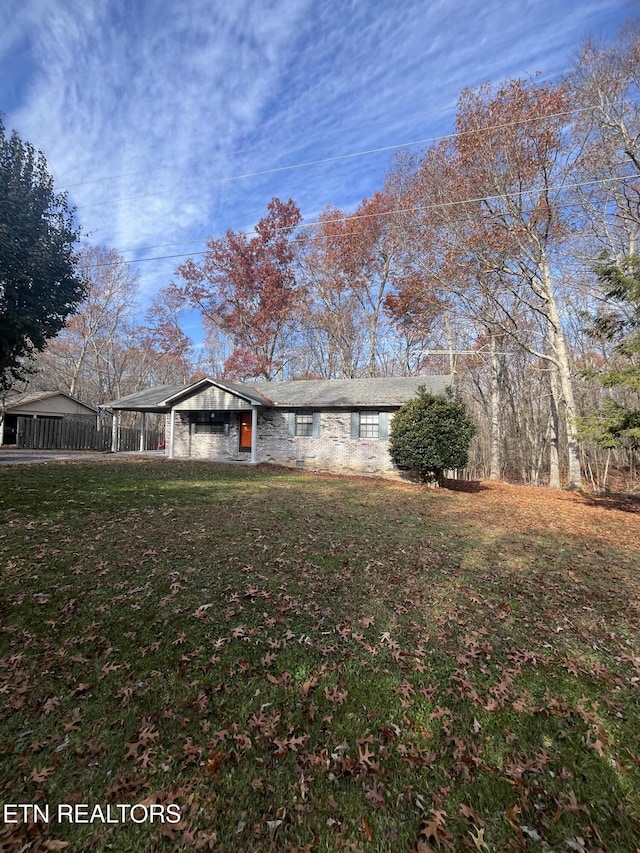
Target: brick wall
[
  {"x": 334, "y": 450},
  {"x": 223, "y": 448}
]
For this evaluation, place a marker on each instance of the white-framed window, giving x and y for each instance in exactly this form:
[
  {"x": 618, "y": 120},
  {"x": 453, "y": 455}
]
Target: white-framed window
[
  {"x": 303, "y": 423},
  {"x": 369, "y": 424}
]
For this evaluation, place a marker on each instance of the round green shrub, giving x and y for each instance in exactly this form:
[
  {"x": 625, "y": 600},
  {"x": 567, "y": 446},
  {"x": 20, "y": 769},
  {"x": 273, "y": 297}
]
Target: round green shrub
[{"x": 431, "y": 434}]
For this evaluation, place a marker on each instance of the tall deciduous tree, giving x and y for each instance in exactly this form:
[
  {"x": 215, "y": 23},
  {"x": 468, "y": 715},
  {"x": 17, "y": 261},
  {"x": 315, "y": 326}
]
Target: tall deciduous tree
[
  {"x": 606, "y": 83},
  {"x": 247, "y": 287},
  {"x": 164, "y": 352},
  {"x": 87, "y": 357},
  {"x": 103, "y": 352},
  {"x": 39, "y": 283},
  {"x": 369, "y": 256},
  {"x": 512, "y": 146},
  {"x": 354, "y": 264},
  {"x": 333, "y": 324}
]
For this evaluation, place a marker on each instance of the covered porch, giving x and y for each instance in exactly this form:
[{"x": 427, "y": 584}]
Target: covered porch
[{"x": 209, "y": 419}]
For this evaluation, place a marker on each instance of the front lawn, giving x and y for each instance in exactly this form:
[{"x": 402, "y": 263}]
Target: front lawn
[{"x": 304, "y": 663}]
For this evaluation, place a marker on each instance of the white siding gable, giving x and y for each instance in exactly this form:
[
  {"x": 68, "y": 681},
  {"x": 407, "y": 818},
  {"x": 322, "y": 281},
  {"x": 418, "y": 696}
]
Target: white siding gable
[{"x": 213, "y": 399}]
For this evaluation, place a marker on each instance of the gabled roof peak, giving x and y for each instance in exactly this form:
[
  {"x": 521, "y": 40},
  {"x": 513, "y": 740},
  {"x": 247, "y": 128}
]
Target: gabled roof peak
[{"x": 389, "y": 392}]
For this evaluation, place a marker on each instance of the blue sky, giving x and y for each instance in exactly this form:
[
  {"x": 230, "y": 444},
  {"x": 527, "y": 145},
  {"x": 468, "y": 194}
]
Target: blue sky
[{"x": 169, "y": 122}]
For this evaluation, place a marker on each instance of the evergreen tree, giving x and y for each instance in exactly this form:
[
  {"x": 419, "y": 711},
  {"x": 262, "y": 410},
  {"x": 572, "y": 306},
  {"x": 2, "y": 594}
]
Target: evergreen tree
[
  {"x": 39, "y": 284},
  {"x": 431, "y": 434},
  {"x": 618, "y": 420}
]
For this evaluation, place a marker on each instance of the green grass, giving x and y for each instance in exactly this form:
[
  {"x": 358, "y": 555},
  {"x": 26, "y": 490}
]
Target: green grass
[{"x": 316, "y": 663}]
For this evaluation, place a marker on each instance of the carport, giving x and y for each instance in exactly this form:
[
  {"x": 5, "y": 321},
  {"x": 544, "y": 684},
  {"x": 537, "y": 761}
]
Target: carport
[{"x": 150, "y": 401}]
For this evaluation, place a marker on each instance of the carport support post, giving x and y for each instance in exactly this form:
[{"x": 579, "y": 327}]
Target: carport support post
[
  {"x": 172, "y": 432},
  {"x": 142, "y": 429},
  {"x": 114, "y": 432},
  {"x": 254, "y": 433}
]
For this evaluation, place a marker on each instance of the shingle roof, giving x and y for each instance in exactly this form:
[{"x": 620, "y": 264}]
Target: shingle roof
[
  {"x": 242, "y": 390},
  {"x": 26, "y": 397},
  {"x": 336, "y": 393},
  {"x": 303, "y": 393},
  {"x": 149, "y": 400}
]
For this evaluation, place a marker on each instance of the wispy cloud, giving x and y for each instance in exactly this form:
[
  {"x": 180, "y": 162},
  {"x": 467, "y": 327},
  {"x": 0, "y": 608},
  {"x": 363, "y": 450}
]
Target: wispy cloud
[{"x": 151, "y": 113}]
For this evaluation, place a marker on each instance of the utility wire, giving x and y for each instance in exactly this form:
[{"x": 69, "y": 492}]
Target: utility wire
[
  {"x": 394, "y": 212},
  {"x": 295, "y": 141},
  {"x": 341, "y": 157}
]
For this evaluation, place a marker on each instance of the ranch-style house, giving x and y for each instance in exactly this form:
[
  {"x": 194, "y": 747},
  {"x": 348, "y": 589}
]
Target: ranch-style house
[{"x": 339, "y": 425}]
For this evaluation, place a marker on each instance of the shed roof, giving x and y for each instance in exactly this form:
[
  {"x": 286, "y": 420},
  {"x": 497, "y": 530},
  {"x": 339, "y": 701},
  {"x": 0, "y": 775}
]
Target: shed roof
[
  {"x": 302, "y": 393},
  {"x": 17, "y": 401}
]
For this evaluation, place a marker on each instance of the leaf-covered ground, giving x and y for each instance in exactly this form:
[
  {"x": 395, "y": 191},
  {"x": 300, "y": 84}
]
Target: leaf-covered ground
[{"x": 307, "y": 663}]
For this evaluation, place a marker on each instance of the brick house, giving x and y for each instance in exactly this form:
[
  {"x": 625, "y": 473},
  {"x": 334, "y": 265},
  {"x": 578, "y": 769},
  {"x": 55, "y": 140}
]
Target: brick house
[{"x": 331, "y": 425}]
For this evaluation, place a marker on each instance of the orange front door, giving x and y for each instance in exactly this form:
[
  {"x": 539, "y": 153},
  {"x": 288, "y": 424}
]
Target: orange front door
[{"x": 245, "y": 431}]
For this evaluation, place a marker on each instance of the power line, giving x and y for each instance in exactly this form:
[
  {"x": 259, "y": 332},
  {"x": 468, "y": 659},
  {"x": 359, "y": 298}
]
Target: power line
[
  {"x": 341, "y": 157},
  {"x": 295, "y": 141},
  {"x": 393, "y": 212}
]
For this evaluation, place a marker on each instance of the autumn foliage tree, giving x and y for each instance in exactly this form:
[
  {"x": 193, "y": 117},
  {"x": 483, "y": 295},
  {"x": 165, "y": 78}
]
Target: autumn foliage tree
[
  {"x": 104, "y": 352},
  {"x": 247, "y": 287},
  {"x": 353, "y": 264},
  {"x": 368, "y": 255},
  {"x": 490, "y": 226},
  {"x": 334, "y": 323}
]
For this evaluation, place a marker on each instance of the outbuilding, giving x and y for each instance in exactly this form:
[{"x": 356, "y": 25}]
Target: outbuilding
[{"x": 42, "y": 405}]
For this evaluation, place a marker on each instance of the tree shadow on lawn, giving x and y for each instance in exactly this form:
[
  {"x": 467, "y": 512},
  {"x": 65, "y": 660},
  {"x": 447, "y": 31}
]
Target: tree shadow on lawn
[
  {"x": 623, "y": 503},
  {"x": 502, "y": 647},
  {"x": 614, "y": 500},
  {"x": 470, "y": 487}
]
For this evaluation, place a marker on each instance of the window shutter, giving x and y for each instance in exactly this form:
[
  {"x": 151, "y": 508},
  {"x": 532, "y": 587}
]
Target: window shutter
[
  {"x": 316, "y": 424},
  {"x": 291, "y": 423},
  {"x": 355, "y": 424},
  {"x": 383, "y": 425}
]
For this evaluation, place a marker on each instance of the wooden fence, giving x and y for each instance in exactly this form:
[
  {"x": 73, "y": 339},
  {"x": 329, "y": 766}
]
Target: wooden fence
[{"x": 80, "y": 434}]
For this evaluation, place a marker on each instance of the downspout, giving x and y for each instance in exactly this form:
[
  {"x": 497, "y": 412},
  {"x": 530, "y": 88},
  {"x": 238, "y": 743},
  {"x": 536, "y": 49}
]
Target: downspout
[
  {"x": 172, "y": 432},
  {"x": 254, "y": 433}
]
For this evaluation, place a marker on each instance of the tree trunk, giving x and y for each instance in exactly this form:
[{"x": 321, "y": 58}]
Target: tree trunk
[
  {"x": 494, "y": 472},
  {"x": 450, "y": 347},
  {"x": 565, "y": 379},
  {"x": 554, "y": 455}
]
